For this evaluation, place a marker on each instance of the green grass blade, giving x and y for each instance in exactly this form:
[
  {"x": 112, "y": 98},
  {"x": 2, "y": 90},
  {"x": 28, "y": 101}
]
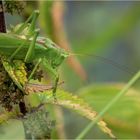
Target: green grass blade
[
  {"x": 110, "y": 104},
  {"x": 123, "y": 122}
]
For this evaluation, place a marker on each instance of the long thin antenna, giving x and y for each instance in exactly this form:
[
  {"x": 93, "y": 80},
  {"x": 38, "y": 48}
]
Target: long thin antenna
[{"x": 106, "y": 60}]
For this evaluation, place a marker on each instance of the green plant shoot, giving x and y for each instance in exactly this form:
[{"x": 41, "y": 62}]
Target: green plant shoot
[{"x": 23, "y": 43}]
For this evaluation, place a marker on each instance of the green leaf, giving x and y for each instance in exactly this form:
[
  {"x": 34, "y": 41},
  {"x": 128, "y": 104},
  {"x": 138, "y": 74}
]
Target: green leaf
[
  {"x": 116, "y": 29},
  {"x": 5, "y": 116},
  {"x": 16, "y": 70},
  {"x": 123, "y": 117},
  {"x": 74, "y": 103}
]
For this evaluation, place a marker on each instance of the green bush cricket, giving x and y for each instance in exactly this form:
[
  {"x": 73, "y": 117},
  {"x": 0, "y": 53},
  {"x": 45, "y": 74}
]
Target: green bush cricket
[{"x": 24, "y": 44}]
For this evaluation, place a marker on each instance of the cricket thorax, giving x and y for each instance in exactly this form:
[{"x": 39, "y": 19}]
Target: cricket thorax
[{"x": 54, "y": 54}]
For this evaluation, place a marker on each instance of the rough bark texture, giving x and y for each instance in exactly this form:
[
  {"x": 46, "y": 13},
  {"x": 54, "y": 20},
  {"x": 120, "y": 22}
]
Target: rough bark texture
[
  {"x": 3, "y": 29},
  {"x": 2, "y": 20}
]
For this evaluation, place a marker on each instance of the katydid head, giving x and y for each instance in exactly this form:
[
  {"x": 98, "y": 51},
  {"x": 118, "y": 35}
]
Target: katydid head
[
  {"x": 54, "y": 53},
  {"x": 60, "y": 58}
]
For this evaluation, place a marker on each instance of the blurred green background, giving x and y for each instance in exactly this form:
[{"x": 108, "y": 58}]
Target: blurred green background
[{"x": 110, "y": 30}]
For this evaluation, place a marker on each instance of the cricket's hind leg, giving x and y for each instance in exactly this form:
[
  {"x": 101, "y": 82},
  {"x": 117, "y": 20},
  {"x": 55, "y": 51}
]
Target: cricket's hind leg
[
  {"x": 54, "y": 73},
  {"x": 31, "y": 47},
  {"x": 31, "y": 31},
  {"x": 34, "y": 69},
  {"x": 29, "y": 53},
  {"x": 33, "y": 17},
  {"x": 30, "y": 50},
  {"x": 55, "y": 88},
  {"x": 17, "y": 50}
]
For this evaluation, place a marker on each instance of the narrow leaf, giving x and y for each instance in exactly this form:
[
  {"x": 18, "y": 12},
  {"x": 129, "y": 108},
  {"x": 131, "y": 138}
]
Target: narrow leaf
[
  {"x": 16, "y": 71},
  {"x": 76, "y": 104}
]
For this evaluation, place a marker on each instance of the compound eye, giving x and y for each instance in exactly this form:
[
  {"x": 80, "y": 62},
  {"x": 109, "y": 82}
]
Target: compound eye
[
  {"x": 54, "y": 45},
  {"x": 53, "y": 64}
]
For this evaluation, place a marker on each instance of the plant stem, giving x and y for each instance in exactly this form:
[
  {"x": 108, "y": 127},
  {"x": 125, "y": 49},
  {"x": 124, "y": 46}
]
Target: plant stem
[
  {"x": 2, "y": 20},
  {"x": 109, "y": 105},
  {"x": 22, "y": 105}
]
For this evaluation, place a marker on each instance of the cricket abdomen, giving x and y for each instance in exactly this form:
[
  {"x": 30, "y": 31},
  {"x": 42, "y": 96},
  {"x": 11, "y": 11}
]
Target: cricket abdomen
[{"x": 9, "y": 43}]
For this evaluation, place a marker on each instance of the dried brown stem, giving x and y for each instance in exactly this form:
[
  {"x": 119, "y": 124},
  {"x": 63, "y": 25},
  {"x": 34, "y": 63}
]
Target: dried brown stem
[{"x": 61, "y": 40}]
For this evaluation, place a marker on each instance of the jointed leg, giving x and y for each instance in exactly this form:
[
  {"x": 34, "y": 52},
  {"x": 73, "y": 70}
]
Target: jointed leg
[
  {"x": 32, "y": 25},
  {"x": 30, "y": 50},
  {"x": 54, "y": 73},
  {"x": 34, "y": 69},
  {"x": 31, "y": 47},
  {"x": 33, "y": 16},
  {"x": 55, "y": 87},
  {"x": 18, "y": 49}
]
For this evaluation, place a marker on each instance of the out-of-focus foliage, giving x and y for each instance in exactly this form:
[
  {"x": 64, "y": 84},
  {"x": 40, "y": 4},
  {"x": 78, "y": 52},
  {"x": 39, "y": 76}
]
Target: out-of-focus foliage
[
  {"x": 117, "y": 28},
  {"x": 5, "y": 116},
  {"x": 9, "y": 131},
  {"x": 38, "y": 125},
  {"x": 123, "y": 117},
  {"x": 14, "y": 6},
  {"x": 108, "y": 29},
  {"x": 46, "y": 16}
]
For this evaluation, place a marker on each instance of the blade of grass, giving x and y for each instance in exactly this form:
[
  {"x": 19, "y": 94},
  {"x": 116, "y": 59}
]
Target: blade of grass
[{"x": 109, "y": 105}]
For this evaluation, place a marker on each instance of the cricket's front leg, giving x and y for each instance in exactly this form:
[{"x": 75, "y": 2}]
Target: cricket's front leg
[
  {"x": 55, "y": 88},
  {"x": 53, "y": 71},
  {"x": 31, "y": 47}
]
